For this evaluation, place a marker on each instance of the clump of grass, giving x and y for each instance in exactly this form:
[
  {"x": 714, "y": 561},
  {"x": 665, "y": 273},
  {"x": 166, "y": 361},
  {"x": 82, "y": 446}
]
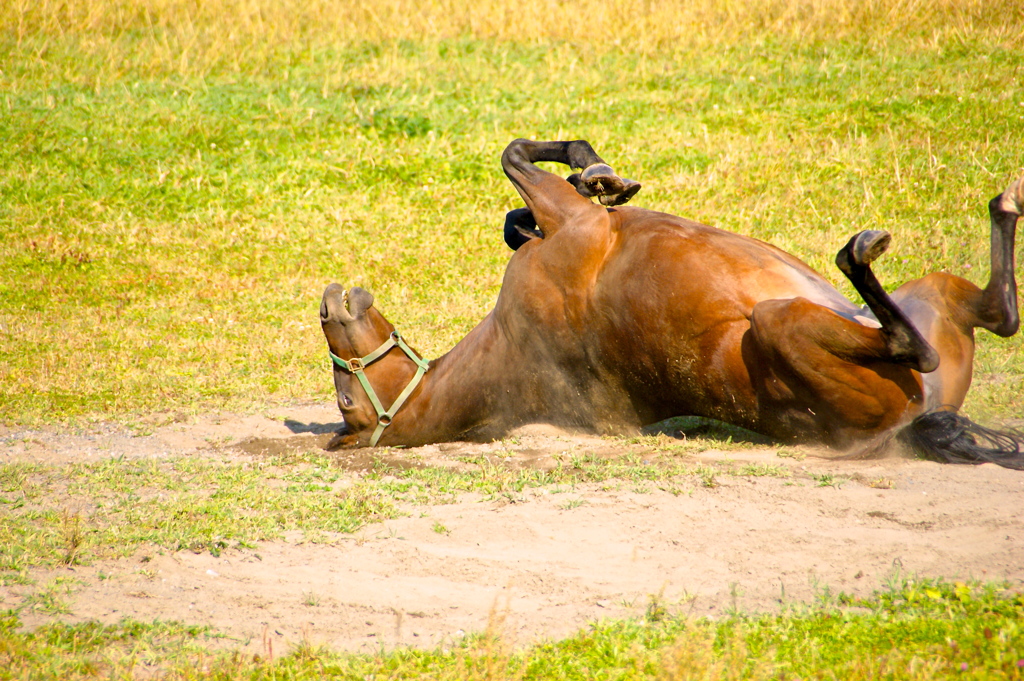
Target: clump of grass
[
  {"x": 51, "y": 598},
  {"x": 708, "y": 476},
  {"x": 71, "y": 530},
  {"x": 92, "y": 649},
  {"x": 761, "y": 470},
  {"x": 828, "y": 480},
  {"x": 495, "y": 477},
  {"x": 655, "y": 611}
]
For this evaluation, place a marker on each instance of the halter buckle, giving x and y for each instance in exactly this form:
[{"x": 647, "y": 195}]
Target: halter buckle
[{"x": 357, "y": 364}]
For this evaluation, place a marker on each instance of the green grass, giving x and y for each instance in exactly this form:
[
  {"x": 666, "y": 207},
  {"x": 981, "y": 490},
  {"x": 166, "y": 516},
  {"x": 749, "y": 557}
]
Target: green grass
[
  {"x": 181, "y": 180},
  {"x": 169, "y": 227},
  {"x": 184, "y": 504},
  {"x": 914, "y": 630}
]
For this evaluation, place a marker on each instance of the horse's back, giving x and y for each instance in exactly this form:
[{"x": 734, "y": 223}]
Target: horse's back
[{"x": 707, "y": 268}]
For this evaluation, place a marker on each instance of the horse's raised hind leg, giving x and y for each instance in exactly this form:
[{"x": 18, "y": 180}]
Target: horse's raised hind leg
[
  {"x": 997, "y": 309},
  {"x": 942, "y": 434},
  {"x": 905, "y": 344},
  {"x": 552, "y": 200}
]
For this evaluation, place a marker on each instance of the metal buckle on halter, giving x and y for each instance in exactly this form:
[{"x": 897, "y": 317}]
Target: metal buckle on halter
[{"x": 356, "y": 366}]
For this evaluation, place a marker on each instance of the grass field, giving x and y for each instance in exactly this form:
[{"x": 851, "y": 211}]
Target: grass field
[{"x": 180, "y": 180}]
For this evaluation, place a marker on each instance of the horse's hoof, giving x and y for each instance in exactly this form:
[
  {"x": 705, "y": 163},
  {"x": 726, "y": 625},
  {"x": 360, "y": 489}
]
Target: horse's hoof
[
  {"x": 868, "y": 245},
  {"x": 1012, "y": 200},
  {"x": 863, "y": 249},
  {"x": 600, "y": 180},
  {"x": 597, "y": 173},
  {"x": 629, "y": 190}
]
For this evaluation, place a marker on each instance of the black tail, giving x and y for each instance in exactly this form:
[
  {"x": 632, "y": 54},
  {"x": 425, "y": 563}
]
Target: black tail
[{"x": 947, "y": 437}]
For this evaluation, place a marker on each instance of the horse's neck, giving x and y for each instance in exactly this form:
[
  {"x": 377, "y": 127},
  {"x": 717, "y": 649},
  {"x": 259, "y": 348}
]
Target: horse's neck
[{"x": 469, "y": 392}]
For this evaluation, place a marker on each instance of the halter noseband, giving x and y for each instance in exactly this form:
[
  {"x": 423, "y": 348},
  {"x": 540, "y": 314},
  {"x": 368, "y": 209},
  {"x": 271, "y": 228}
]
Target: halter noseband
[{"x": 357, "y": 364}]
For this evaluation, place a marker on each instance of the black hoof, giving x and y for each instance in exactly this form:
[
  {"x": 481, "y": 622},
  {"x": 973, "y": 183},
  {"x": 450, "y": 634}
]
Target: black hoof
[
  {"x": 863, "y": 249},
  {"x": 520, "y": 227},
  {"x": 599, "y": 178}
]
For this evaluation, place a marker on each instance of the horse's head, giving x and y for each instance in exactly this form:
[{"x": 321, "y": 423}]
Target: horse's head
[
  {"x": 354, "y": 329},
  {"x": 367, "y": 375}
]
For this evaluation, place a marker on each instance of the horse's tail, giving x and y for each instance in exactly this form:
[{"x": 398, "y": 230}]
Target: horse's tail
[{"x": 945, "y": 436}]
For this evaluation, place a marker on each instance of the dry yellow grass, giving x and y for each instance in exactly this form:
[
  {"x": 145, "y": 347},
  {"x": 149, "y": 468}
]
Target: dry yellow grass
[{"x": 190, "y": 36}]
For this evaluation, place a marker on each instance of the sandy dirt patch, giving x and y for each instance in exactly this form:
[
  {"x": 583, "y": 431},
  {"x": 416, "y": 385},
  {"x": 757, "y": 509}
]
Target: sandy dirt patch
[{"x": 546, "y": 562}]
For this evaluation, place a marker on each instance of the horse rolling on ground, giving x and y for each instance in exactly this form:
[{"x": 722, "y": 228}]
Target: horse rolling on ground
[{"x": 612, "y": 317}]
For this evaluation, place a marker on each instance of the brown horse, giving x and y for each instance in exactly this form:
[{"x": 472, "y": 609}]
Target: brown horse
[{"x": 611, "y": 318}]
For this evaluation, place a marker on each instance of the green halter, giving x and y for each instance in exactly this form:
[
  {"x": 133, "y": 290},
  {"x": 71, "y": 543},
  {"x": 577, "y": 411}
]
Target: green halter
[{"x": 357, "y": 364}]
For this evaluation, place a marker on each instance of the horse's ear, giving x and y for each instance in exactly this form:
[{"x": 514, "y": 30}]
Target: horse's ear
[
  {"x": 359, "y": 301},
  {"x": 343, "y": 306},
  {"x": 333, "y": 305}
]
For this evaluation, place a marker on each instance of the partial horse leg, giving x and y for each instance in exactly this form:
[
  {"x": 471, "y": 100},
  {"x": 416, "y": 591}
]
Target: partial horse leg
[
  {"x": 821, "y": 376},
  {"x": 552, "y": 200},
  {"x": 520, "y": 227},
  {"x": 940, "y": 432},
  {"x": 997, "y": 308},
  {"x": 596, "y": 179},
  {"x": 601, "y": 181},
  {"x": 904, "y": 343}
]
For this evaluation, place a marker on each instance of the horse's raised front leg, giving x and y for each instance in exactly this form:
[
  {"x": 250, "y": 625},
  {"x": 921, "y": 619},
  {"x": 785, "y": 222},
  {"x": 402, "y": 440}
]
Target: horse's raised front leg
[
  {"x": 520, "y": 227},
  {"x": 903, "y": 343},
  {"x": 551, "y": 200}
]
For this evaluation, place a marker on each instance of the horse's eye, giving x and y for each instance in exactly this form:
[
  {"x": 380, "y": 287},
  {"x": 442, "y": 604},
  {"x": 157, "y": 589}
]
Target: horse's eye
[{"x": 346, "y": 400}]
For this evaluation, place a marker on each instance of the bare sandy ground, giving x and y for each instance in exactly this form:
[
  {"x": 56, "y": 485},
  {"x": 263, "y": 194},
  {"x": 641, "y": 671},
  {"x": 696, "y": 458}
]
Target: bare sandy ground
[{"x": 546, "y": 562}]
